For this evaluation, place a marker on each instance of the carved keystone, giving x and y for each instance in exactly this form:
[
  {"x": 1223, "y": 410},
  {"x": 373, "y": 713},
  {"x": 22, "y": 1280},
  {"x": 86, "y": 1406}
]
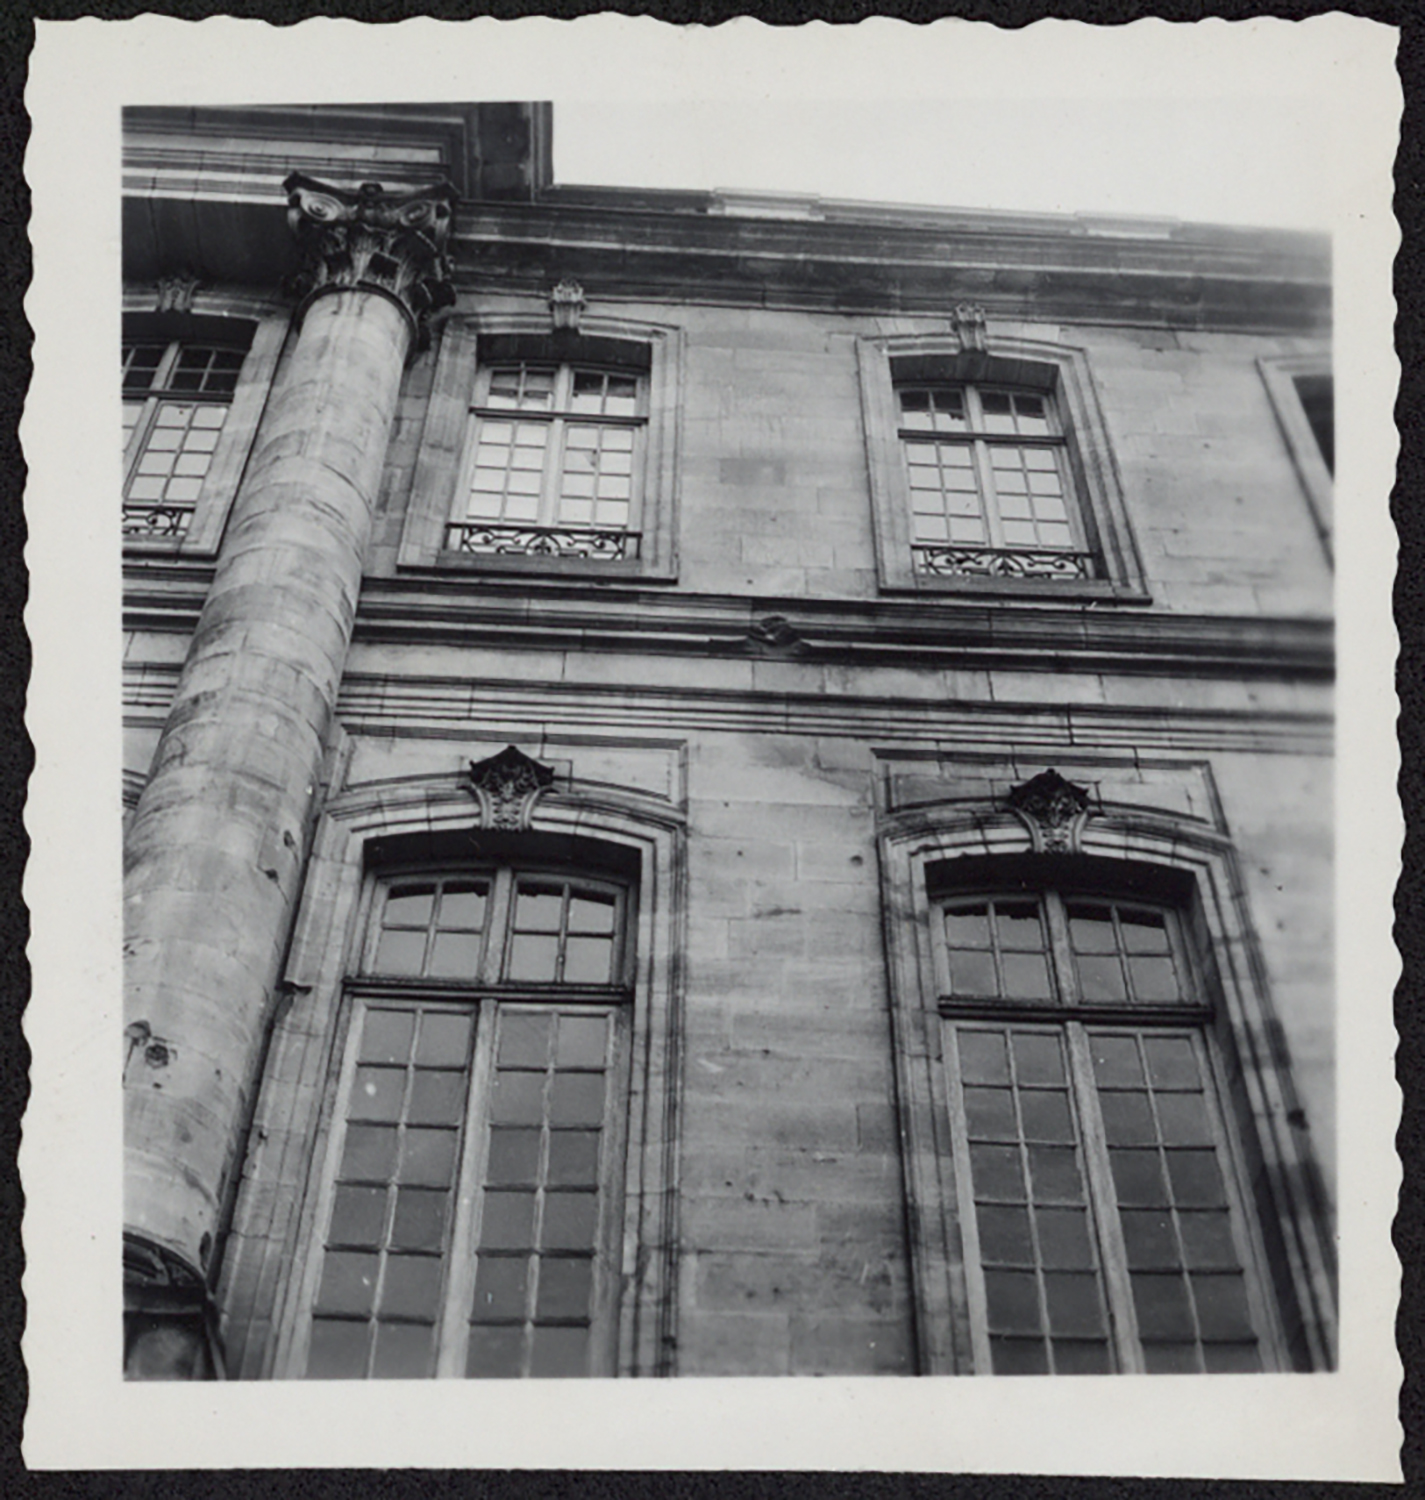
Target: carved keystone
[
  {"x": 1053, "y": 810},
  {"x": 507, "y": 786}
]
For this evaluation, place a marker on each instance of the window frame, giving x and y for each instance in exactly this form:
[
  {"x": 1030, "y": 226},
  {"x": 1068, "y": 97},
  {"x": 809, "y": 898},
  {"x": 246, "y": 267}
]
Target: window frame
[
  {"x": 471, "y": 345},
  {"x": 217, "y": 317},
  {"x": 487, "y": 998},
  {"x": 1096, "y": 497},
  {"x": 1280, "y": 375}
]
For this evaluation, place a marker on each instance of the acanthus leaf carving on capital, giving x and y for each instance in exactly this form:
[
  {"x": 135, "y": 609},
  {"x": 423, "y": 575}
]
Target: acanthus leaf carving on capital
[
  {"x": 507, "y": 786},
  {"x": 372, "y": 239},
  {"x": 1053, "y": 809}
]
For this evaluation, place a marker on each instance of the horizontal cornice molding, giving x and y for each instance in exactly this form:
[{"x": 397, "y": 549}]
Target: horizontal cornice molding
[{"x": 891, "y": 633}]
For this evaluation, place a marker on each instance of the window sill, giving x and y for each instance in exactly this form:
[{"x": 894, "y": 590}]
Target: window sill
[
  {"x": 1055, "y": 590},
  {"x": 553, "y": 567}
]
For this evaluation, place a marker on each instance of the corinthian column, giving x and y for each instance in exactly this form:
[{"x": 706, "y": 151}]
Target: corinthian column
[{"x": 214, "y": 859}]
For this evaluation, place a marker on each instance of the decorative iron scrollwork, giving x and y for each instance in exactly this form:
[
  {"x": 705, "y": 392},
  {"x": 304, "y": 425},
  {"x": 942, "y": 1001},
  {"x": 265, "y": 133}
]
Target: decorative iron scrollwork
[
  {"x": 1001, "y": 562},
  {"x": 541, "y": 541},
  {"x": 146, "y": 519}
]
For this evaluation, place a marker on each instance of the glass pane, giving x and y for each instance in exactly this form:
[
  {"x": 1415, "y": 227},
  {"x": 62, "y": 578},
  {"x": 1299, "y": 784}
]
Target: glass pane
[
  {"x": 412, "y": 1287},
  {"x": 408, "y": 906},
  {"x": 982, "y": 1057},
  {"x": 1127, "y": 1120},
  {"x": 1081, "y": 1357},
  {"x": 533, "y": 958},
  {"x": 1148, "y": 1236},
  {"x": 400, "y": 952},
  {"x": 968, "y": 927},
  {"x": 420, "y": 1219},
  {"x": 1026, "y": 976},
  {"x": 996, "y": 1172},
  {"x": 581, "y": 1041},
  {"x": 1163, "y": 1309},
  {"x": 428, "y": 1157},
  {"x": 348, "y": 1282},
  {"x": 1144, "y": 931},
  {"x": 1182, "y": 1118},
  {"x": 517, "y": 1099},
  {"x": 538, "y": 910},
  {"x": 565, "y": 1288},
  {"x": 500, "y": 1282},
  {"x": 1115, "y": 1060},
  {"x": 1013, "y": 1301},
  {"x": 1004, "y": 1236},
  {"x": 989, "y": 1114},
  {"x": 1170, "y": 1359},
  {"x": 454, "y": 955},
  {"x": 437, "y": 1098},
  {"x": 573, "y": 1158},
  {"x": 1172, "y": 1063},
  {"x": 514, "y": 1156},
  {"x": 494, "y": 1353},
  {"x": 1222, "y": 1311},
  {"x": 972, "y": 973},
  {"x": 591, "y": 914},
  {"x": 403, "y": 1351},
  {"x": 587, "y": 960},
  {"x": 1054, "y": 1172},
  {"x": 1019, "y": 1357},
  {"x": 569, "y": 1221},
  {"x": 338, "y": 1350},
  {"x": 462, "y": 906},
  {"x": 1064, "y": 1239},
  {"x": 377, "y": 1094},
  {"x": 1045, "y": 1113},
  {"x": 445, "y": 1039},
  {"x": 508, "y": 1221},
  {"x": 1038, "y": 1058},
  {"x": 1138, "y": 1177},
  {"x": 1197, "y": 1182},
  {"x": 559, "y": 1352},
  {"x": 1091, "y": 929},
  {"x": 358, "y": 1216},
  {"x": 1073, "y": 1302},
  {"x": 1018, "y": 926},
  {"x": 369, "y": 1154},
  {"x": 1100, "y": 979},
  {"x": 524, "y": 1039},
  {"x": 577, "y": 1099},
  {"x": 1207, "y": 1240},
  {"x": 1153, "y": 979}
]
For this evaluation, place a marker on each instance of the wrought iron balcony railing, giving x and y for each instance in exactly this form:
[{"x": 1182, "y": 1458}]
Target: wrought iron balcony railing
[
  {"x": 484, "y": 539},
  {"x": 156, "y": 520},
  {"x": 1001, "y": 562}
]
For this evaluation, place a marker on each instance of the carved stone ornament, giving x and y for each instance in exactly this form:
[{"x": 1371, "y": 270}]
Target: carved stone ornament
[
  {"x": 507, "y": 786},
  {"x": 175, "y": 292},
  {"x": 968, "y": 321},
  {"x": 566, "y": 306},
  {"x": 775, "y": 633},
  {"x": 391, "y": 243},
  {"x": 1053, "y": 809}
]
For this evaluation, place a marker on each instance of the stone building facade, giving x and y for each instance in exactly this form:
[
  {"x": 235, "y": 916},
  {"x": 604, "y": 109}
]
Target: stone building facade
[{"x": 716, "y": 784}]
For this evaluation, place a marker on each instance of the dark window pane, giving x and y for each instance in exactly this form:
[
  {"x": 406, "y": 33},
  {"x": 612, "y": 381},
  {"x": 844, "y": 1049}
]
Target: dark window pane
[
  {"x": 565, "y": 1288},
  {"x": 1018, "y": 926},
  {"x": 454, "y": 955},
  {"x": 445, "y": 1039},
  {"x": 514, "y": 1156},
  {"x": 1222, "y": 1311},
  {"x": 1148, "y": 1235},
  {"x": 411, "y": 1288},
  {"x": 1091, "y": 929},
  {"x": 560, "y": 1352},
  {"x": 538, "y": 910},
  {"x": 1153, "y": 979},
  {"x": 408, "y": 906},
  {"x": 494, "y": 1353},
  {"x": 400, "y": 953},
  {"x": 517, "y": 1098},
  {"x": 1064, "y": 1238},
  {"x": 1144, "y": 931},
  {"x": 358, "y": 1216},
  {"x": 1115, "y": 1060},
  {"x": 420, "y": 1219},
  {"x": 1170, "y": 1359},
  {"x": 428, "y": 1157},
  {"x": 1038, "y": 1058},
  {"x": 1138, "y": 1176},
  {"x": 386, "y": 1036},
  {"x": 524, "y": 1039},
  {"x": 995, "y": 403},
  {"x": 1013, "y": 1302},
  {"x": 1054, "y": 1171},
  {"x": 972, "y": 973},
  {"x": 1222, "y": 1359},
  {"x": 1019, "y": 1357},
  {"x": 915, "y": 400},
  {"x": 533, "y": 958},
  {"x": 338, "y": 1350},
  {"x": 377, "y": 1094},
  {"x": 581, "y": 1041},
  {"x": 982, "y": 1056},
  {"x": 587, "y": 960},
  {"x": 989, "y": 1114},
  {"x": 404, "y": 1351},
  {"x": 348, "y": 1282},
  {"x": 369, "y": 1154},
  {"x": 507, "y": 1222},
  {"x": 996, "y": 1173},
  {"x": 573, "y": 1158},
  {"x": 1004, "y": 1236},
  {"x": 500, "y": 1283},
  {"x": 1163, "y": 1309},
  {"x": 437, "y": 1098},
  {"x": 1026, "y": 976},
  {"x": 968, "y": 927},
  {"x": 576, "y": 1099},
  {"x": 462, "y": 906},
  {"x": 1127, "y": 1120},
  {"x": 1074, "y": 1307},
  {"x": 1045, "y": 1113},
  {"x": 1172, "y": 1063},
  {"x": 1100, "y": 979},
  {"x": 1197, "y": 1183},
  {"x": 591, "y": 914},
  {"x": 569, "y": 1221},
  {"x": 1182, "y": 1119},
  {"x": 1207, "y": 1240},
  {"x": 1081, "y": 1357}
]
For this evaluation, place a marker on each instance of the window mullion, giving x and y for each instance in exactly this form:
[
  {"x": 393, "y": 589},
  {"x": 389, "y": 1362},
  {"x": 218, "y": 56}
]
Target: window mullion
[
  {"x": 163, "y": 375},
  {"x": 981, "y": 1358},
  {"x": 989, "y": 500},
  {"x": 1113, "y": 1254},
  {"x": 1066, "y": 979},
  {"x": 501, "y": 910},
  {"x": 553, "y": 472}
]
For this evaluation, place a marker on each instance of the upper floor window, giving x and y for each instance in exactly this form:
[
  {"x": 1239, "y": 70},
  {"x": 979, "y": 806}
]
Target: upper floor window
[
  {"x": 552, "y": 463},
  {"x": 470, "y": 1213},
  {"x": 1101, "y": 1193},
  {"x": 176, "y": 403},
  {"x": 990, "y": 489},
  {"x": 1301, "y": 390}
]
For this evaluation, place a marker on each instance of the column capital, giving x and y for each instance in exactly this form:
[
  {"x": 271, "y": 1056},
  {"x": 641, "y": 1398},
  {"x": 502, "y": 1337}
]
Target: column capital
[{"x": 373, "y": 240}]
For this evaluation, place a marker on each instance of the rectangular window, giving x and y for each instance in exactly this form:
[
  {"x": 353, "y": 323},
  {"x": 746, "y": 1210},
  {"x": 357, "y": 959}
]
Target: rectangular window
[
  {"x": 553, "y": 460},
  {"x": 1099, "y": 1196},
  {"x": 472, "y": 1212},
  {"x": 176, "y": 398}
]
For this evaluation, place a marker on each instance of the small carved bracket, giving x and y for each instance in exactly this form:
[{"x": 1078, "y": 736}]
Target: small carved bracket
[
  {"x": 566, "y": 306},
  {"x": 776, "y": 635},
  {"x": 1052, "y": 809},
  {"x": 175, "y": 292},
  {"x": 968, "y": 321},
  {"x": 507, "y": 786}
]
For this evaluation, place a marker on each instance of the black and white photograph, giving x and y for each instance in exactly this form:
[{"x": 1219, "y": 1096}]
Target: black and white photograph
[{"x": 725, "y": 747}]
